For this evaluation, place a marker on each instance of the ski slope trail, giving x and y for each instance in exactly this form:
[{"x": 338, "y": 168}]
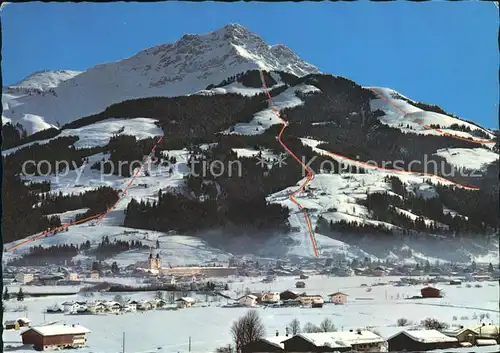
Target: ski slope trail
[
  {"x": 99, "y": 216},
  {"x": 310, "y": 174}
]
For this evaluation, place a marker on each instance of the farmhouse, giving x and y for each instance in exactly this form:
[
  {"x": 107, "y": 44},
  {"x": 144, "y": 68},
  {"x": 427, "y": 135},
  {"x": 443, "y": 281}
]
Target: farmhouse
[
  {"x": 270, "y": 297},
  {"x": 311, "y": 299},
  {"x": 338, "y": 298},
  {"x": 487, "y": 331},
  {"x": 185, "y": 302},
  {"x": 421, "y": 340},
  {"x": 18, "y": 323},
  {"x": 288, "y": 295},
  {"x": 268, "y": 345},
  {"x": 56, "y": 336},
  {"x": 430, "y": 292},
  {"x": 462, "y": 334},
  {"x": 248, "y": 300},
  {"x": 360, "y": 341}
]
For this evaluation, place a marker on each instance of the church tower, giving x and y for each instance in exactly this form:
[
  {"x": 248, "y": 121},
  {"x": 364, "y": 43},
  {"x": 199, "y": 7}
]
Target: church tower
[
  {"x": 158, "y": 265},
  {"x": 151, "y": 261}
]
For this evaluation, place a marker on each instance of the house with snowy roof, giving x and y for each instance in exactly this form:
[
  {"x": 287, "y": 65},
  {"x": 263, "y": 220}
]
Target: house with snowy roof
[
  {"x": 17, "y": 323},
  {"x": 270, "y": 344},
  {"x": 248, "y": 300},
  {"x": 185, "y": 302},
  {"x": 421, "y": 340},
  {"x": 359, "y": 340},
  {"x": 56, "y": 336}
]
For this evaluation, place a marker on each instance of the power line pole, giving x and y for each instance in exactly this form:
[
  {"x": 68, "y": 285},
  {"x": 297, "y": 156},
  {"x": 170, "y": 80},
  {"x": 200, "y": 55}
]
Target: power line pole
[
  {"x": 189, "y": 343},
  {"x": 123, "y": 343}
]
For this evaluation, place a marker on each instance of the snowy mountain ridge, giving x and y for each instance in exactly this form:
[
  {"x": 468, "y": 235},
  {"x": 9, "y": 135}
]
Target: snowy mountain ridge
[
  {"x": 43, "y": 80},
  {"x": 186, "y": 66},
  {"x": 176, "y": 70}
]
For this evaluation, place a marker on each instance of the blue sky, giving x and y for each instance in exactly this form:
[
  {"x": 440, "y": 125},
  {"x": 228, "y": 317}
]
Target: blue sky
[{"x": 438, "y": 52}]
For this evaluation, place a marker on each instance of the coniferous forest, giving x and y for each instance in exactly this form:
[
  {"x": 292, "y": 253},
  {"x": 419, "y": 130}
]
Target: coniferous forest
[{"x": 238, "y": 205}]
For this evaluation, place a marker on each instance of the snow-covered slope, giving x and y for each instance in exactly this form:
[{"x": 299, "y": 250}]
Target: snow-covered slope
[
  {"x": 471, "y": 158},
  {"x": 44, "y": 80},
  {"x": 400, "y": 113},
  {"x": 186, "y": 66}
]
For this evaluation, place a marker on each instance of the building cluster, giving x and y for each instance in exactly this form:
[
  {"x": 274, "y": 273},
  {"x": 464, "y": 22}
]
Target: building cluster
[
  {"x": 153, "y": 266},
  {"x": 288, "y": 298},
  {"x": 247, "y": 267},
  {"x": 115, "y": 307},
  {"x": 415, "y": 340},
  {"x": 49, "y": 276}
]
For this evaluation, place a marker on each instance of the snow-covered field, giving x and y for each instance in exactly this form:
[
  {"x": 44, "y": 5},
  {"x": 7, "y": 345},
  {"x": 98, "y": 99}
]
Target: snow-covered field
[
  {"x": 266, "y": 118},
  {"x": 99, "y": 134},
  {"x": 470, "y": 158},
  {"x": 208, "y": 327}
]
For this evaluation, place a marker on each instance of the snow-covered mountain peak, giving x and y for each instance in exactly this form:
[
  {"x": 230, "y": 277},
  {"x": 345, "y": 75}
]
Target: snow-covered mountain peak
[
  {"x": 184, "y": 67},
  {"x": 226, "y": 49}
]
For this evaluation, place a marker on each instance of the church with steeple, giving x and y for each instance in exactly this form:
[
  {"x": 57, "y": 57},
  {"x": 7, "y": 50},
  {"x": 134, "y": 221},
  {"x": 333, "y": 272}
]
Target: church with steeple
[
  {"x": 154, "y": 263},
  {"x": 153, "y": 266}
]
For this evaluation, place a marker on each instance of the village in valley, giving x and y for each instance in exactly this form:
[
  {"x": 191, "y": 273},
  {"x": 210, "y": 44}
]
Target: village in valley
[{"x": 303, "y": 306}]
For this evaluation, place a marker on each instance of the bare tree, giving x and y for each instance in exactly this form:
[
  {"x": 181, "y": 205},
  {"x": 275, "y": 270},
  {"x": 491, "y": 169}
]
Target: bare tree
[
  {"x": 294, "y": 326},
  {"x": 327, "y": 326},
  {"x": 119, "y": 299},
  {"x": 433, "y": 324},
  {"x": 247, "y": 329},
  {"x": 311, "y": 328},
  {"x": 402, "y": 321}
]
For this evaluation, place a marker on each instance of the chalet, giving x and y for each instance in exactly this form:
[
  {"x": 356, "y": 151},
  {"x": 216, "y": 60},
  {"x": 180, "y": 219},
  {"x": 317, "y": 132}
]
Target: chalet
[
  {"x": 266, "y": 345},
  {"x": 56, "y": 336},
  {"x": 360, "y": 341},
  {"x": 160, "y": 303},
  {"x": 112, "y": 307},
  {"x": 430, "y": 292},
  {"x": 462, "y": 334},
  {"x": 144, "y": 305},
  {"x": 97, "y": 308},
  {"x": 270, "y": 297},
  {"x": 248, "y": 300},
  {"x": 487, "y": 331},
  {"x": 338, "y": 298},
  {"x": 185, "y": 302},
  {"x": 133, "y": 303},
  {"x": 288, "y": 294},
  {"x": 300, "y": 284},
  {"x": 17, "y": 323},
  {"x": 309, "y": 300},
  {"x": 421, "y": 340},
  {"x": 68, "y": 306},
  {"x": 54, "y": 309}
]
